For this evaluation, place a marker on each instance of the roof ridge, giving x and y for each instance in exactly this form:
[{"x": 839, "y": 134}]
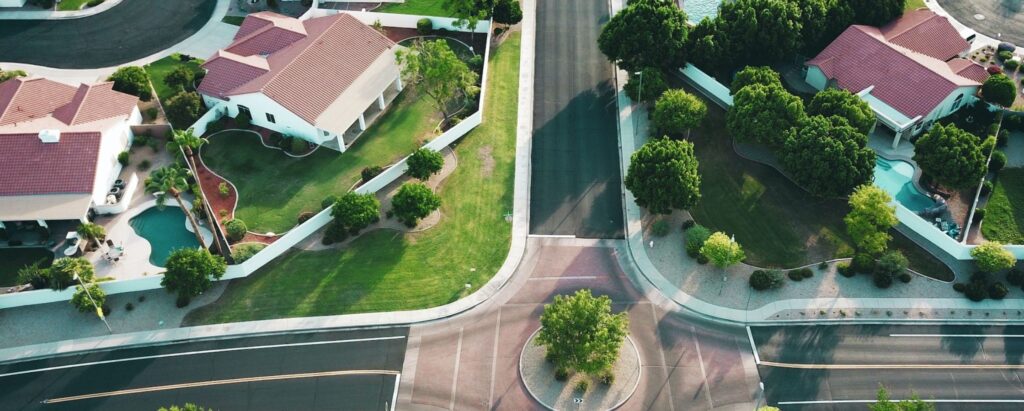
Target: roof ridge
[
  {"x": 78, "y": 109},
  {"x": 915, "y": 25},
  {"x": 915, "y": 57},
  {"x": 10, "y": 103},
  {"x": 277, "y": 73}
]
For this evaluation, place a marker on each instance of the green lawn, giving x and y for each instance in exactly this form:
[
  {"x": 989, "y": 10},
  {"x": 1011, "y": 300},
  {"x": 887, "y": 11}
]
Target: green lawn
[
  {"x": 1004, "y": 214},
  {"x": 914, "y": 5},
  {"x": 13, "y": 259},
  {"x": 386, "y": 271},
  {"x": 158, "y": 70},
  {"x": 275, "y": 188},
  {"x": 417, "y": 7},
  {"x": 233, "y": 20},
  {"x": 71, "y": 5}
]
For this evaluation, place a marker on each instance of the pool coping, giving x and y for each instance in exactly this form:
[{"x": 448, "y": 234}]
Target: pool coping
[{"x": 150, "y": 204}]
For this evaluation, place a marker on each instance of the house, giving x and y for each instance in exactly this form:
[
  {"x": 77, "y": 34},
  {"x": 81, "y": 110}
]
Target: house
[
  {"x": 59, "y": 146},
  {"x": 12, "y": 3},
  {"x": 313, "y": 79},
  {"x": 912, "y": 71}
]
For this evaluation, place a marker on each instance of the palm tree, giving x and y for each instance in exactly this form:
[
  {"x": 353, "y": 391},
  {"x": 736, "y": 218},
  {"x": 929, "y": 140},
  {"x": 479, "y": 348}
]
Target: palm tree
[
  {"x": 171, "y": 180},
  {"x": 92, "y": 232},
  {"x": 187, "y": 141}
]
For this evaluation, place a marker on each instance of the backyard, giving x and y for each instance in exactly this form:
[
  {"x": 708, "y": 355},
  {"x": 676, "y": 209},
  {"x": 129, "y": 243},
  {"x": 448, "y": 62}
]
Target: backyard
[
  {"x": 387, "y": 271},
  {"x": 13, "y": 259},
  {"x": 272, "y": 197},
  {"x": 417, "y": 7},
  {"x": 1004, "y": 218},
  {"x": 158, "y": 71}
]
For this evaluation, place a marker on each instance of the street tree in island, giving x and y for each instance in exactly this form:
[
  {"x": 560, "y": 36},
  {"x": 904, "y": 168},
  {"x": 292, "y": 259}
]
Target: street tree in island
[
  {"x": 953, "y": 157},
  {"x": 754, "y": 75},
  {"x": 842, "y": 103},
  {"x": 88, "y": 298},
  {"x": 64, "y": 271},
  {"x": 172, "y": 181},
  {"x": 424, "y": 163},
  {"x": 913, "y": 404},
  {"x": 1000, "y": 90},
  {"x": 677, "y": 111},
  {"x": 414, "y": 201},
  {"x": 827, "y": 156},
  {"x": 190, "y": 272},
  {"x": 438, "y": 72},
  {"x": 132, "y": 80},
  {"x": 763, "y": 113},
  {"x": 355, "y": 212},
  {"x": 647, "y": 33},
  {"x": 507, "y": 12},
  {"x": 992, "y": 257},
  {"x": 870, "y": 218},
  {"x": 722, "y": 250},
  {"x": 581, "y": 334},
  {"x": 663, "y": 176},
  {"x": 646, "y": 87},
  {"x": 93, "y": 233}
]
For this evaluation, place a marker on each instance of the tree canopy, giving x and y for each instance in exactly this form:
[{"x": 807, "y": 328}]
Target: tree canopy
[
  {"x": 468, "y": 12},
  {"x": 707, "y": 46},
  {"x": 414, "y": 201},
  {"x": 913, "y": 404},
  {"x": 184, "y": 109},
  {"x": 652, "y": 82},
  {"x": 424, "y": 163},
  {"x": 876, "y": 12},
  {"x": 992, "y": 257},
  {"x": 180, "y": 78},
  {"x": 88, "y": 298},
  {"x": 953, "y": 157},
  {"x": 754, "y": 75},
  {"x": 762, "y": 114},
  {"x": 438, "y": 72},
  {"x": 721, "y": 250},
  {"x": 132, "y": 80},
  {"x": 663, "y": 176},
  {"x": 355, "y": 212},
  {"x": 1000, "y": 90},
  {"x": 823, "y": 21},
  {"x": 761, "y": 31},
  {"x": 63, "y": 271},
  {"x": 677, "y": 111},
  {"x": 190, "y": 270},
  {"x": 581, "y": 333},
  {"x": 870, "y": 218},
  {"x": 842, "y": 103},
  {"x": 647, "y": 33},
  {"x": 507, "y": 12},
  {"x": 827, "y": 156}
]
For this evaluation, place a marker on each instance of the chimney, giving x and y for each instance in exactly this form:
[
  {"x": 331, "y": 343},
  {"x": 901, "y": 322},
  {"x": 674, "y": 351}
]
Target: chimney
[{"x": 49, "y": 136}]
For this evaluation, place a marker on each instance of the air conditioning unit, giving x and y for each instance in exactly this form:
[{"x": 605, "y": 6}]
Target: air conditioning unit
[{"x": 49, "y": 136}]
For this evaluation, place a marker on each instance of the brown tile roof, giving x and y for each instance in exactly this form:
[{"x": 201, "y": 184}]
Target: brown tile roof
[
  {"x": 227, "y": 71},
  {"x": 310, "y": 73},
  {"x": 95, "y": 102},
  {"x": 927, "y": 33},
  {"x": 968, "y": 69},
  {"x": 24, "y": 99},
  {"x": 31, "y": 167}
]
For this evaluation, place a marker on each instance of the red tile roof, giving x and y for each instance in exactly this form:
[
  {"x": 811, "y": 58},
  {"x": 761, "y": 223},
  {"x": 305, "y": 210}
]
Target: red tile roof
[
  {"x": 227, "y": 71},
  {"x": 310, "y": 72},
  {"x": 969, "y": 69},
  {"x": 927, "y": 33},
  {"x": 30, "y": 99},
  {"x": 95, "y": 102},
  {"x": 31, "y": 167}
]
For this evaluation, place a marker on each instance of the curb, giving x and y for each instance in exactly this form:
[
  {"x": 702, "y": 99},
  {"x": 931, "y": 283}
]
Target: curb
[{"x": 58, "y": 15}]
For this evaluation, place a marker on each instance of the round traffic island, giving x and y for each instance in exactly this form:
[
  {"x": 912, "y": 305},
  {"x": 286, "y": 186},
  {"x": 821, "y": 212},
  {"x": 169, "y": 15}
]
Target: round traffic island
[{"x": 538, "y": 375}]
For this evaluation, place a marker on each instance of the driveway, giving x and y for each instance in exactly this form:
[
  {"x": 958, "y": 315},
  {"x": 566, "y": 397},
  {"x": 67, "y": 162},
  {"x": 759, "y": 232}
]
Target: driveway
[{"x": 127, "y": 32}]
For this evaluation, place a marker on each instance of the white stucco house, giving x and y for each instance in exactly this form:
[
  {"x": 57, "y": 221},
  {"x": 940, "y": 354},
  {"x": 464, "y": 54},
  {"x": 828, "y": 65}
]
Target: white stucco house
[
  {"x": 912, "y": 71},
  {"x": 313, "y": 79},
  {"x": 59, "y": 147},
  {"x": 12, "y": 3}
]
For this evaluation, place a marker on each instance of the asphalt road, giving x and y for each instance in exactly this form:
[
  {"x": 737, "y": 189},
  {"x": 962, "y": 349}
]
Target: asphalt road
[
  {"x": 961, "y": 367},
  {"x": 127, "y": 32},
  {"x": 312, "y": 371},
  {"x": 1003, "y": 19},
  {"x": 575, "y": 180}
]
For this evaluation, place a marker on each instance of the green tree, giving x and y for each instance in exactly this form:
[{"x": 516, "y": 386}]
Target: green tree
[
  {"x": 762, "y": 114},
  {"x": 761, "y": 31},
  {"x": 355, "y": 212},
  {"x": 992, "y": 257},
  {"x": 842, "y": 103},
  {"x": 236, "y": 230},
  {"x": 953, "y": 157},
  {"x": 876, "y": 12},
  {"x": 9, "y": 74},
  {"x": 652, "y": 81},
  {"x": 186, "y": 141},
  {"x": 414, "y": 201},
  {"x": 64, "y": 270},
  {"x": 1000, "y": 90},
  {"x": 88, "y": 298},
  {"x": 93, "y": 233},
  {"x": 438, "y": 72},
  {"x": 913, "y": 404},
  {"x": 708, "y": 47},
  {"x": 189, "y": 272},
  {"x": 870, "y": 218},
  {"x": 184, "y": 109},
  {"x": 754, "y": 75},
  {"x": 581, "y": 333},
  {"x": 647, "y": 33},
  {"x": 468, "y": 12},
  {"x": 424, "y": 163},
  {"x": 721, "y": 250},
  {"x": 507, "y": 12},
  {"x": 35, "y": 274},
  {"x": 180, "y": 78},
  {"x": 186, "y": 407},
  {"x": 172, "y": 180},
  {"x": 132, "y": 80},
  {"x": 663, "y": 176},
  {"x": 676, "y": 111},
  {"x": 823, "y": 21},
  {"x": 827, "y": 156}
]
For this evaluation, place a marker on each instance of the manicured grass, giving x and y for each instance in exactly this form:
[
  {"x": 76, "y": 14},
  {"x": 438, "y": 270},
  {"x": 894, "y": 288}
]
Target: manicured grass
[
  {"x": 275, "y": 188},
  {"x": 71, "y": 5},
  {"x": 417, "y": 7},
  {"x": 1004, "y": 214},
  {"x": 914, "y": 5},
  {"x": 233, "y": 20},
  {"x": 158, "y": 70},
  {"x": 384, "y": 270},
  {"x": 13, "y": 259}
]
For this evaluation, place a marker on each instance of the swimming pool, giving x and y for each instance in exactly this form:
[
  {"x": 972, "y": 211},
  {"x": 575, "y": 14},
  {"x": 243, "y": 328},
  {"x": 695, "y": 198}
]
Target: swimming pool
[
  {"x": 896, "y": 178},
  {"x": 165, "y": 231},
  {"x": 697, "y": 10}
]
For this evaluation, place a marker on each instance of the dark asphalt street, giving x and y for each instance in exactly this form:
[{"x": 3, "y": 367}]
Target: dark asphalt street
[
  {"x": 575, "y": 181},
  {"x": 962, "y": 367},
  {"x": 311, "y": 371},
  {"x": 128, "y": 31}
]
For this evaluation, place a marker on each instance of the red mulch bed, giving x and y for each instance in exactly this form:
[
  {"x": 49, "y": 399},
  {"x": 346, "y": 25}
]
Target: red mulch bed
[
  {"x": 251, "y": 237},
  {"x": 478, "y": 40}
]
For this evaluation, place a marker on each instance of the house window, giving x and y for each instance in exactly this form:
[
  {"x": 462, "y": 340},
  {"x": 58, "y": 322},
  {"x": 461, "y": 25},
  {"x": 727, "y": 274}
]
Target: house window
[
  {"x": 270, "y": 118},
  {"x": 244, "y": 110},
  {"x": 956, "y": 103}
]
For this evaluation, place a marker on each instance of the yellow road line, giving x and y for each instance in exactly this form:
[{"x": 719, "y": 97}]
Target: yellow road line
[
  {"x": 895, "y": 366},
  {"x": 218, "y": 382}
]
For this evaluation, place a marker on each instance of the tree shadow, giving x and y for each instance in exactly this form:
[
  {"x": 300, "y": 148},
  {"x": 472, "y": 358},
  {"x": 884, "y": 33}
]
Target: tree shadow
[{"x": 966, "y": 348}]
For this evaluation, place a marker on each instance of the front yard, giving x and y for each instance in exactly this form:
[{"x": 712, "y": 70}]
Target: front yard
[
  {"x": 387, "y": 271},
  {"x": 1004, "y": 215},
  {"x": 416, "y": 7}
]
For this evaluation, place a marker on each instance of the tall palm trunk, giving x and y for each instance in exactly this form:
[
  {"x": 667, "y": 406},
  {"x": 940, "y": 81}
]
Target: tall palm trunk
[
  {"x": 190, "y": 158},
  {"x": 191, "y": 218}
]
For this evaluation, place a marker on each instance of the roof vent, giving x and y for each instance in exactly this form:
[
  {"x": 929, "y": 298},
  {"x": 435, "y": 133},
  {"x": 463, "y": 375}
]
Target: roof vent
[{"x": 49, "y": 136}]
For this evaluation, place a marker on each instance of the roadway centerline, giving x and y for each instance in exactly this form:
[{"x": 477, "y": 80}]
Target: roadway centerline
[
  {"x": 895, "y": 366},
  {"x": 222, "y": 382},
  {"x": 960, "y": 335},
  {"x": 201, "y": 352}
]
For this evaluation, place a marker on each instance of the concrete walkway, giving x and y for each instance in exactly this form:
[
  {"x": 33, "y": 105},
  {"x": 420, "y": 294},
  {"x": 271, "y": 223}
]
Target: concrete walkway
[{"x": 14, "y": 14}]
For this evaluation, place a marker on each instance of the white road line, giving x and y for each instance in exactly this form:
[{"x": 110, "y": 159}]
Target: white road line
[
  {"x": 960, "y": 335},
  {"x": 873, "y": 401},
  {"x": 455, "y": 378},
  {"x": 550, "y": 236},
  {"x": 894, "y": 366},
  {"x": 566, "y": 277},
  {"x": 394, "y": 396},
  {"x": 664, "y": 362},
  {"x": 757, "y": 358},
  {"x": 182, "y": 354},
  {"x": 494, "y": 359}
]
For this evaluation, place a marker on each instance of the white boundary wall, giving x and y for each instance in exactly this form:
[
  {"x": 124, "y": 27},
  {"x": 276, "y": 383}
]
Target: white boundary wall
[{"x": 297, "y": 233}]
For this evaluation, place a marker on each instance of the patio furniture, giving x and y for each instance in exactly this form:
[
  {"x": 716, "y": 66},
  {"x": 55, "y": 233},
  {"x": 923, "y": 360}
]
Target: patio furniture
[
  {"x": 74, "y": 244},
  {"x": 119, "y": 183}
]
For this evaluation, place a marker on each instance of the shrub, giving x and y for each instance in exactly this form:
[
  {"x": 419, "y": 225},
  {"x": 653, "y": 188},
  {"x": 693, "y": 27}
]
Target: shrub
[
  {"x": 124, "y": 158},
  {"x": 606, "y": 377},
  {"x": 328, "y": 201},
  {"x": 975, "y": 292},
  {"x": 882, "y": 279},
  {"x": 298, "y": 146},
  {"x": 660, "y": 228},
  {"x": 132, "y": 80},
  {"x": 823, "y": 265},
  {"x": 1014, "y": 277},
  {"x": 334, "y": 233},
  {"x": 414, "y": 201},
  {"x": 276, "y": 139},
  {"x": 862, "y": 263},
  {"x": 222, "y": 213},
  {"x": 424, "y": 26},
  {"x": 997, "y": 162},
  {"x": 182, "y": 301},
  {"x": 305, "y": 216},
  {"x": 243, "y": 119},
  {"x": 129, "y": 306},
  {"x": 695, "y": 238},
  {"x": 997, "y": 291},
  {"x": 235, "y": 229},
  {"x": 561, "y": 374},
  {"x": 979, "y": 214},
  {"x": 152, "y": 113},
  {"x": 243, "y": 252},
  {"x": 702, "y": 259},
  {"x": 144, "y": 165},
  {"x": 761, "y": 280},
  {"x": 1004, "y": 136},
  {"x": 1011, "y": 65},
  {"x": 476, "y": 63},
  {"x": 370, "y": 172},
  {"x": 356, "y": 211},
  {"x": 582, "y": 385},
  {"x": 991, "y": 257},
  {"x": 88, "y": 297},
  {"x": 424, "y": 163},
  {"x": 1005, "y": 55},
  {"x": 687, "y": 224},
  {"x": 993, "y": 69},
  {"x": 223, "y": 189},
  {"x": 794, "y": 275},
  {"x": 986, "y": 188},
  {"x": 845, "y": 269},
  {"x": 905, "y": 277},
  {"x": 893, "y": 263},
  {"x": 959, "y": 287}
]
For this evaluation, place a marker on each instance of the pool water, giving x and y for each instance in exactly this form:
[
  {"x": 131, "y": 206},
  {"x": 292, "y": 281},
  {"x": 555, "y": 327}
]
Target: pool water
[
  {"x": 697, "y": 10},
  {"x": 896, "y": 178},
  {"x": 165, "y": 231}
]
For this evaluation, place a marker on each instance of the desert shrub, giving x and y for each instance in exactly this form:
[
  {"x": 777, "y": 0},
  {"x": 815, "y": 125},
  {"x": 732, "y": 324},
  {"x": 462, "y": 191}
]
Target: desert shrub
[
  {"x": 695, "y": 238},
  {"x": 997, "y": 162},
  {"x": 959, "y": 287},
  {"x": 335, "y": 233},
  {"x": 370, "y": 172},
  {"x": 424, "y": 26},
  {"x": 1014, "y": 277},
  {"x": 862, "y": 263},
  {"x": 795, "y": 275},
  {"x": 328, "y": 201},
  {"x": 761, "y": 280},
  {"x": 979, "y": 214},
  {"x": 975, "y": 292},
  {"x": 244, "y": 252},
  {"x": 997, "y": 291},
  {"x": 986, "y": 188},
  {"x": 905, "y": 277},
  {"x": 660, "y": 228},
  {"x": 582, "y": 385},
  {"x": 606, "y": 377},
  {"x": 882, "y": 279},
  {"x": 223, "y": 189},
  {"x": 124, "y": 158},
  {"x": 688, "y": 224},
  {"x": 702, "y": 259},
  {"x": 305, "y": 216},
  {"x": 1005, "y": 55},
  {"x": 845, "y": 269},
  {"x": 561, "y": 374},
  {"x": 235, "y": 229}
]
